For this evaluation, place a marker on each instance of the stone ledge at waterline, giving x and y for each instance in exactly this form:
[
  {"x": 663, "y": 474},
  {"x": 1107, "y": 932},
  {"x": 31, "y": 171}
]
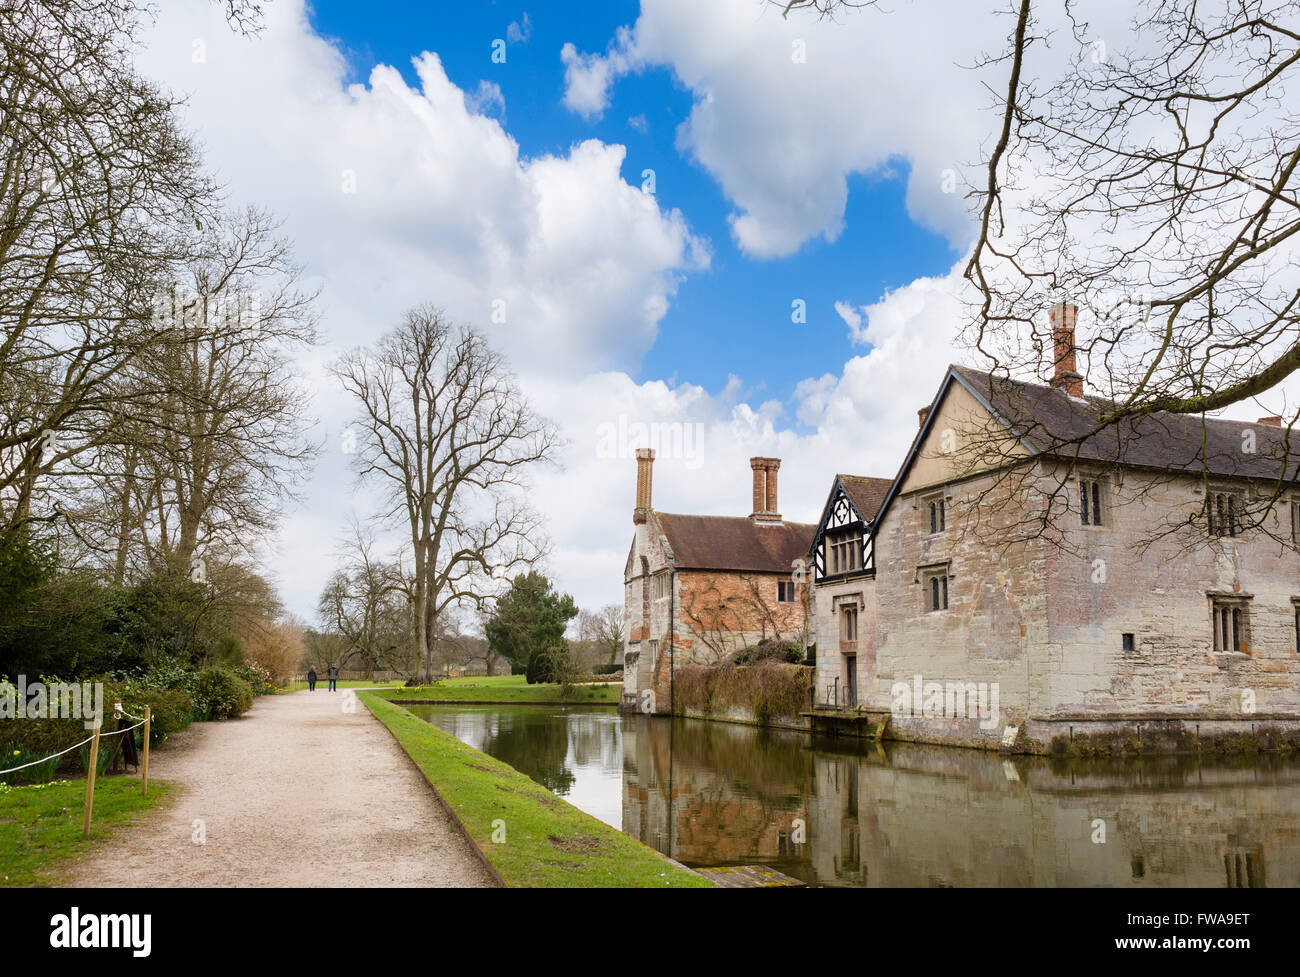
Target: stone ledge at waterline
[{"x": 1123, "y": 735}]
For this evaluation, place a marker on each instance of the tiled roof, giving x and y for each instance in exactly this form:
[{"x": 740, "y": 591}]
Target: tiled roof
[
  {"x": 734, "y": 543},
  {"x": 1047, "y": 419},
  {"x": 867, "y": 494}
]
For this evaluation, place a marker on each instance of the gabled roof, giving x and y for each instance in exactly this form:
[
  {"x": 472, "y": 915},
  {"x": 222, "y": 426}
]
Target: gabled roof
[
  {"x": 1046, "y": 420},
  {"x": 733, "y": 543},
  {"x": 865, "y": 493}
]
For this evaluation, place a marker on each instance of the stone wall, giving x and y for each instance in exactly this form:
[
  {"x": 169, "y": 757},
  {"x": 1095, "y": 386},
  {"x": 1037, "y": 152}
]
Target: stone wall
[{"x": 1044, "y": 619}]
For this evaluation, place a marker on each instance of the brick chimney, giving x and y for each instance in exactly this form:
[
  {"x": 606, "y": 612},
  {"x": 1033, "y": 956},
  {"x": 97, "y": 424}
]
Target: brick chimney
[
  {"x": 1063, "y": 317},
  {"x": 645, "y": 460},
  {"x": 1271, "y": 421},
  {"x": 765, "y": 489},
  {"x": 922, "y": 415}
]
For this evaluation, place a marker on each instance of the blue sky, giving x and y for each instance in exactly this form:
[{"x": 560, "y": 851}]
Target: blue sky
[
  {"x": 734, "y": 318},
  {"x": 462, "y": 198}
]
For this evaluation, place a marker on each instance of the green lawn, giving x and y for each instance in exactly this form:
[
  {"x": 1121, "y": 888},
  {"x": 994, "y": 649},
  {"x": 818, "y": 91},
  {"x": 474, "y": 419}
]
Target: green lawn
[
  {"x": 507, "y": 688},
  {"x": 40, "y": 826},
  {"x": 547, "y": 842}
]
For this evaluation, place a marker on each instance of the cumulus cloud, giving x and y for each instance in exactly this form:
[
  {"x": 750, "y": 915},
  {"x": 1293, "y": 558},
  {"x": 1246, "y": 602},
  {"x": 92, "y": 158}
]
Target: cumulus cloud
[
  {"x": 447, "y": 208},
  {"x": 787, "y": 109}
]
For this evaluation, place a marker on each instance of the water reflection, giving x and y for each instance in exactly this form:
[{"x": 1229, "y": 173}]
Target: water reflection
[{"x": 848, "y": 813}]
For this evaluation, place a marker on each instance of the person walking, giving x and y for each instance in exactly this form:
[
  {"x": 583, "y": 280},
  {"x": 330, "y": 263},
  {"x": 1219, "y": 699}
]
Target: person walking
[
  {"x": 311, "y": 679},
  {"x": 333, "y": 674}
]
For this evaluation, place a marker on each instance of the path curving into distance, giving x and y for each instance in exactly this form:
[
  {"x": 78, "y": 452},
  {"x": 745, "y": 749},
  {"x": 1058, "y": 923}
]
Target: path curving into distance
[{"x": 298, "y": 792}]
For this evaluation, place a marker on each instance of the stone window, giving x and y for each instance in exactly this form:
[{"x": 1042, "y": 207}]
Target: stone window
[
  {"x": 785, "y": 591},
  {"x": 935, "y": 514},
  {"x": 849, "y": 622},
  {"x": 936, "y": 592},
  {"x": 1295, "y": 520},
  {"x": 661, "y": 585},
  {"x": 1092, "y": 502},
  {"x": 1230, "y": 623},
  {"x": 1295, "y": 607},
  {"x": 1221, "y": 513},
  {"x": 845, "y": 552},
  {"x": 1128, "y": 641}
]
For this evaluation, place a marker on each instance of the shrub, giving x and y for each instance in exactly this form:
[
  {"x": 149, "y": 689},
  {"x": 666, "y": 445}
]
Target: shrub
[
  {"x": 551, "y": 665},
  {"x": 172, "y": 711},
  {"x": 257, "y": 677},
  {"x": 609, "y": 669},
  {"x": 221, "y": 694},
  {"x": 768, "y": 691},
  {"x": 769, "y": 649}
]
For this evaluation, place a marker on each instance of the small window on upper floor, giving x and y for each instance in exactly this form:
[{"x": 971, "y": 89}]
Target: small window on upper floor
[
  {"x": 1295, "y": 520},
  {"x": 662, "y": 586},
  {"x": 1092, "y": 502},
  {"x": 1223, "y": 513},
  {"x": 844, "y": 552},
  {"x": 785, "y": 591},
  {"x": 936, "y": 514}
]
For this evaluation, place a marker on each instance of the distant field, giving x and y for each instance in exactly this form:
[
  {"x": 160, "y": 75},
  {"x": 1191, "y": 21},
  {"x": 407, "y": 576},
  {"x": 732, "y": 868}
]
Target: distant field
[{"x": 506, "y": 688}]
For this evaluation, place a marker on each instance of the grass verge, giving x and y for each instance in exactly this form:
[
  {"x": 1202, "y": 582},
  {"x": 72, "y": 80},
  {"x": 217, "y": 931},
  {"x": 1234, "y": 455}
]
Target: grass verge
[
  {"x": 40, "y": 826},
  {"x": 548, "y": 842},
  {"x": 507, "y": 689}
]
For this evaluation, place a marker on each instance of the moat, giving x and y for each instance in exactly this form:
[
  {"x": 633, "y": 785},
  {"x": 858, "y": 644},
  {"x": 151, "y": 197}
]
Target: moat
[{"x": 857, "y": 813}]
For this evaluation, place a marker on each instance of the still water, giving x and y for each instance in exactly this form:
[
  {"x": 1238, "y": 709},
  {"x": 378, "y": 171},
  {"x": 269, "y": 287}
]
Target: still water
[{"x": 855, "y": 813}]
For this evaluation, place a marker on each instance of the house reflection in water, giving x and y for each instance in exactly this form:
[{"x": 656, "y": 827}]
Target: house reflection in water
[{"x": 713, "y": 794}]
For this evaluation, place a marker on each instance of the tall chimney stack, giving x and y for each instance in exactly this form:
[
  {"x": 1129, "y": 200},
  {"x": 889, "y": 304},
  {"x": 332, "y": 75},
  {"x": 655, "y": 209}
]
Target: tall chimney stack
[
  {"x": 765, "y": 489},
  {"x": 1065, "y": 377},
  {"x": 773, "y": 466},
  {"x": 760, "y": 486},
  {"x": 645, "y": 459}
]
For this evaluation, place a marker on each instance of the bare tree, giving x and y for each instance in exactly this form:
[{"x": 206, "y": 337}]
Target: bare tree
[
  {"x": 1150, "y": 180},
  {"x": 602, "y": 630},
  {"x": 447, "y": 434},
  {"x": 96, "y": 180},
  {"x": 366, "y": 603}
]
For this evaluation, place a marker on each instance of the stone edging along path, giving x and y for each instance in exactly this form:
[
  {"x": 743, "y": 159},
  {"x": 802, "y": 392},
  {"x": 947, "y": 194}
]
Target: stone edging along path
[{"x": 298, "y": 792}]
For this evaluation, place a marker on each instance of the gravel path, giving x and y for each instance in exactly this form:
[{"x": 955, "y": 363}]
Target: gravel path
[{"x": 298, "y": 792}]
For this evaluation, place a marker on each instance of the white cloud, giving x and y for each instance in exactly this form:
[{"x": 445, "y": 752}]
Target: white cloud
[
  {"x": 447, "y": 209},
  {"x": 588, "y": 77},
  {"x": 519, "y": 33},
  {"x": 782, "y": 135}
]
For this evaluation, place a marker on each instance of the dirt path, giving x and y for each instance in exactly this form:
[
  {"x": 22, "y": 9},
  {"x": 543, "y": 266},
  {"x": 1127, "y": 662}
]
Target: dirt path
[{"x": 296, "y": 793}]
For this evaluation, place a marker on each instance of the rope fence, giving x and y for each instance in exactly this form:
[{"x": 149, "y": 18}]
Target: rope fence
[{"x": 92, "y": 767}]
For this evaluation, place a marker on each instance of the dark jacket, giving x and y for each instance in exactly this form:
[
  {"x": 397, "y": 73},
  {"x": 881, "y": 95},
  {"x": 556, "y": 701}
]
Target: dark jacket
[
  {"x": 311, "y": 676},
  {"x": 333, "y": 672}
]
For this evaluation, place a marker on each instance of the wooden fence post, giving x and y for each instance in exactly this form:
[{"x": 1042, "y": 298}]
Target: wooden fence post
[
  {"x": 144, "y": 763},
  {"x": 90, "y": 780}
]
